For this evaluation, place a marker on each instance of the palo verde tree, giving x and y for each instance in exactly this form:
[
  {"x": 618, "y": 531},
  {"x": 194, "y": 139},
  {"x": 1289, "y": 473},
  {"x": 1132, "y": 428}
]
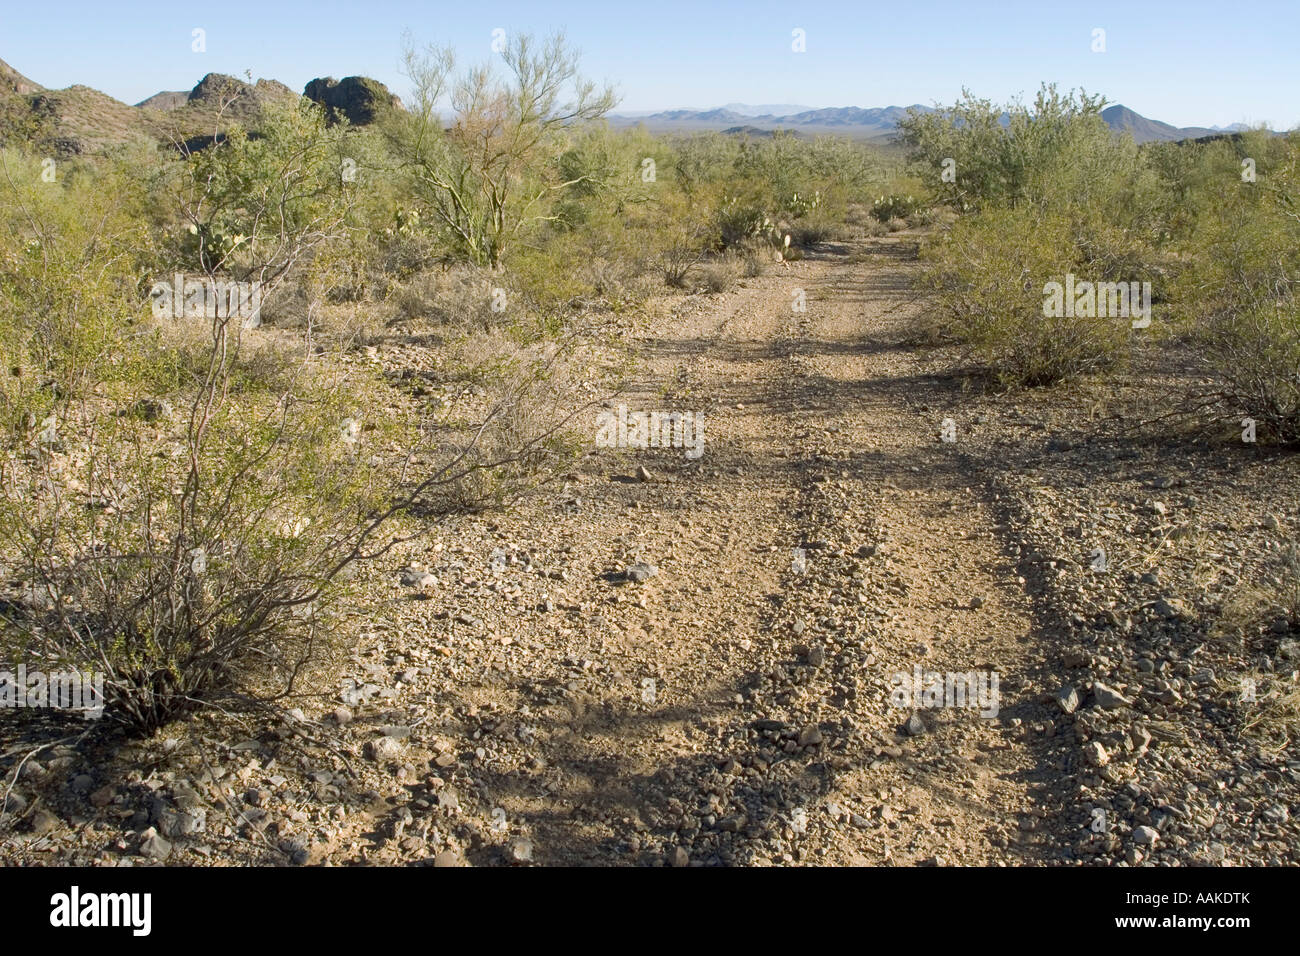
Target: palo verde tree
[{"x": 494, "y": 172}]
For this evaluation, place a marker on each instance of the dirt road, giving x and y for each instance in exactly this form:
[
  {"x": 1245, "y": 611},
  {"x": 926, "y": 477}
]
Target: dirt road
[
  {"x": 505, "y": 695},
  {"x": 736, "y": 707}
]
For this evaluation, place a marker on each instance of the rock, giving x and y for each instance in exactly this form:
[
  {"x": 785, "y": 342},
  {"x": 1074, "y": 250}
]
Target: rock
[
  {"x": 360, "y": 99},
  {"x": 1076, "y": 657},
  {"x": 1146, "y": 836},
  {"x": 521, "y": 851},
  {"x": 1067, "y": 698},
  {"x": 679, "y": 857},
  {"x": 1171, "y": 609},
  {"x": 418, "y": 579},
  {"x": 817, "y": 656},
  {"x": 447, "y": 800},
  {"x": 640, "y": 571},
  {"x": 1141, "y": 739},
  {"x": 1096, "y": 754},
  {"x": 733, "y": 824},
  {"x": 295, "y": 848},
  {"x": 383, "y": 749},
  {"x": 154, "y": 846},
  {"x": 914, "y": 726},
  {"x": 151, "y": 409},
  {"x": 1108, "y": 697},
  {"x": 449, "y": 858},
  {"x": 643, "y": 474},
  {"x": 810, "y": 736},
  {"x": 103, "y": 796},
  {"x": 178, "y": 823},
  {"x": 1277, "y": 813},
  {"x": 342, "y": 716}
]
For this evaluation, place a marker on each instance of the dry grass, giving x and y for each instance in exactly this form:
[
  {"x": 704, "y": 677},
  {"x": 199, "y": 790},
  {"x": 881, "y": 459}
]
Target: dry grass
[{"x": 1265, "y": 618}]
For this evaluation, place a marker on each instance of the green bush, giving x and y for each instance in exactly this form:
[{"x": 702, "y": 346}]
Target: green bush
[
  {"x": 990, "y": 272},
  {"x": 1240, "y": 289},
  {"x": 894, "y": 206}
]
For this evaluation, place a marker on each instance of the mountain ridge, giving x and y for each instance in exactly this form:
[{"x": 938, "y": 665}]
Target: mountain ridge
[
  {"x": 882, "y": 122},
  {"x": 80, "y": 119}
]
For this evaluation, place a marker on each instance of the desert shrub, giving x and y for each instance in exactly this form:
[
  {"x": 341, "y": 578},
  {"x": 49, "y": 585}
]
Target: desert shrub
[
  {"x": 74, "y": 257},
  {"x": 195, "y": 575},
  {"x": 1262, "y": 618},
  {"x": 819, "y": 225},
  {"x": 739, "y": 221},
  {"x": 498, "y": 172},
  {"x": 252, "y": 207},
  {"x": 1240, "y": 293},
  {"x": 180, "y": 497},
  {"x": 457, "y": 297},
  {"x": 510, "y": 432},
  {"x": 754, "y": 259},
  {"x": 1007, "y": 154},
  {"x": 1050, "y": 192},
  {"x": 990, "y": 277},
  {"x": 720, "y": 275},
  {"x": 156, "y": 515}
]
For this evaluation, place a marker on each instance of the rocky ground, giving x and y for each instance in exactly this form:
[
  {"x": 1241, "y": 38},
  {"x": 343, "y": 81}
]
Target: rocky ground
[{"x": 666, "y": 661}]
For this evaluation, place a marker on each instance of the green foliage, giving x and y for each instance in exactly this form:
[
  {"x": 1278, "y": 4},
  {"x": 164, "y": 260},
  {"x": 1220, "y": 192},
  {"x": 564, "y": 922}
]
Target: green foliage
[
  {"x": 1049, "y": 192},
  {"x": 131, "y": 445},
  {"x": 240, "y": 199},
  {"x": 1014, "y": 153},
  {"x": 497, "y": 173},
  {"x": 895, "y": 206},
  {"x": 1241, "y": 292},
  {"x": 990, "y": 280}
]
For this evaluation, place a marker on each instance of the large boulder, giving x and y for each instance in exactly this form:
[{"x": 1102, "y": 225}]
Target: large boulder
[{"x": 358, "y": 98}]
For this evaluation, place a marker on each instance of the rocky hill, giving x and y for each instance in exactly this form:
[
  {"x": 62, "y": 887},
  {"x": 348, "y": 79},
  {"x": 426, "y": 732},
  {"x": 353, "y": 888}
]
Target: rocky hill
[
  {"x": 359, "y": 99},
  {"x": 80, "y": 120}
]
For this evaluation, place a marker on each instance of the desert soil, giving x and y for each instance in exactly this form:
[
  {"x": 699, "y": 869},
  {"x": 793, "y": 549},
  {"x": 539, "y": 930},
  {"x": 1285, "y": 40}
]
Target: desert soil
[{"x": 528, "y": 705}]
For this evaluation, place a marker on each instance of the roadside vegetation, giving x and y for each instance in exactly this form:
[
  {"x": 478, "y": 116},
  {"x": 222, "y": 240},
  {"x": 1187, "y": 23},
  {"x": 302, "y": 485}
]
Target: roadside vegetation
[
  {"x": 185, "y": 489},
  {"x": 1046, "y": 191}
]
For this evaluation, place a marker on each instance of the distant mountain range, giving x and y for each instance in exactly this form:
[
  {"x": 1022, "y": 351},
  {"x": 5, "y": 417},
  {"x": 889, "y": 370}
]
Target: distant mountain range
[
  {"x": 80, "y": 119},
  {"x": 880, "y": 123}
]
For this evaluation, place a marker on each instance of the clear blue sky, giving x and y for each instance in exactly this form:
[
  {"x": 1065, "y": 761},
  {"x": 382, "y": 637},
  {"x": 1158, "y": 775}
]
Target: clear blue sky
[{"x": 1188, "y": 63}]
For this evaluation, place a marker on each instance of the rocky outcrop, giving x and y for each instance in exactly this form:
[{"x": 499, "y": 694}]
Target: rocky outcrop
[{"x": 359, "y": 99}]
